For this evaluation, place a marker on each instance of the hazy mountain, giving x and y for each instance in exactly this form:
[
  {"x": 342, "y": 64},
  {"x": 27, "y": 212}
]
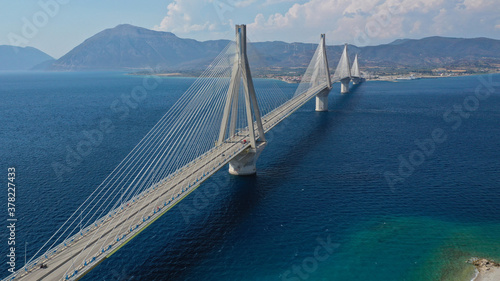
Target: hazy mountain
[
  {"x": 18, "y": 58},
  {"x": 398, "y": 41},
  {"x": 130, "y": 47},
  {"x": 433, "y": 52},
  {"x": 127, "y": 47}
]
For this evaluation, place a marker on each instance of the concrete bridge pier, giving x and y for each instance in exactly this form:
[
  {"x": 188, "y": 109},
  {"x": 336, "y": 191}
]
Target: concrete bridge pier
[
  {"x": 244, "y": 164},
  {"x": 322, "y": 100},
  {"x": 344, "y": 87}
]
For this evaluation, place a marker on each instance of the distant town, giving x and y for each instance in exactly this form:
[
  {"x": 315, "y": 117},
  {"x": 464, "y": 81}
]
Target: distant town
[{"x": 294, "y": 76}]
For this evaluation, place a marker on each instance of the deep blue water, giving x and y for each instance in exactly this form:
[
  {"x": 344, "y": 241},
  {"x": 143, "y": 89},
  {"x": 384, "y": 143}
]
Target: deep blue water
[{"x": 321, "y": 178}]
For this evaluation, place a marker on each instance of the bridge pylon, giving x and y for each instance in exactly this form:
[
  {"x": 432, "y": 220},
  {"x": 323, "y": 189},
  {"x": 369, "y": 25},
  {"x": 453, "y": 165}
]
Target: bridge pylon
[
  {"x": 245, "y": 162},
  {"x": 356, "y": 75},
  {"x": 343, "y": 72},
  {"x": 322, "y": 97}
]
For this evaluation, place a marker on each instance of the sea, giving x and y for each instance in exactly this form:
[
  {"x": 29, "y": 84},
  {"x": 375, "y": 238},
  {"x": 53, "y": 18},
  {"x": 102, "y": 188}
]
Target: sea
[{"x": 398, "y": 180}]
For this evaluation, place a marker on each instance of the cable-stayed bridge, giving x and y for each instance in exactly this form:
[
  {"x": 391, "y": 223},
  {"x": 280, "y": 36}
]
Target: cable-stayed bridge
[{"x": 219, "y": 120}]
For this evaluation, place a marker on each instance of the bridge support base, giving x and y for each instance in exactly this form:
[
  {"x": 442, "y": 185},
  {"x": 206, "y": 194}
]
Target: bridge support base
[
  {"x": 344, "y": 87},
  {"x": 244, "y": 164},
  {"x": 322, "y": 100}
]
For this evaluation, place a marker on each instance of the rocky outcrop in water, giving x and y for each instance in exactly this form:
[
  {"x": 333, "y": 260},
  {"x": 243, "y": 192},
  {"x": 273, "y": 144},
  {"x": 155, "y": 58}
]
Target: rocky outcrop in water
[{"x": 483, "y": 265}]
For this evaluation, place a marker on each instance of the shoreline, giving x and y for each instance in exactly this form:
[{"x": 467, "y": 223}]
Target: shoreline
[
  {"x": 486, "y": 270},
  {"x": 174, "y": 74},
  {"x": 389, "y": 78},
  {"x": 394, "y": 78}
]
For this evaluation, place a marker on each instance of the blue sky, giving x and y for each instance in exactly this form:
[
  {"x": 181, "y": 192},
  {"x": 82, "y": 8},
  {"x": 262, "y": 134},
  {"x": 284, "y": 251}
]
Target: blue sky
[{"x": 66, "y": 23}]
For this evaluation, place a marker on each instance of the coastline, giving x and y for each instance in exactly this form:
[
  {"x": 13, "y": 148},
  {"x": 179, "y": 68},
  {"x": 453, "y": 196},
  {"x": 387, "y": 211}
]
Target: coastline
[
  {"x": 169, "y": 74},
  {"x": 157, "y": 74},
  {"x": 395, "y": 78},
  {"x": 296, "y": 79},
  {"x": 486, "y": 270}
]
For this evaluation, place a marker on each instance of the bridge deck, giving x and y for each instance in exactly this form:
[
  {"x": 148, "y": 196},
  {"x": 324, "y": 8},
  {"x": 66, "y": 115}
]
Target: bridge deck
[{"x": 85, "y": 250}]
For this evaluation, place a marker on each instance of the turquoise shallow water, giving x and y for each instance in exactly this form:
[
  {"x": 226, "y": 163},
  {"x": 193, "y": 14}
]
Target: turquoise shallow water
[{"x": 320, "y": 179}]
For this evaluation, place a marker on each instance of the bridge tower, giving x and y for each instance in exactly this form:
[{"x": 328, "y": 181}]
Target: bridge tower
[
  {"x": 343, "y": 72},
  {"x": 322, "y": 97},
  {"x": 245, "y": 162},
  {"x": 356, "y": 75}
]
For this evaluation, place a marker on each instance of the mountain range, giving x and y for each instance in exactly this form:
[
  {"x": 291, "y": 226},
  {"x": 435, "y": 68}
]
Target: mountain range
[
  {"x": 132, "y": 48},
  {"x": 19, "y": 58}
]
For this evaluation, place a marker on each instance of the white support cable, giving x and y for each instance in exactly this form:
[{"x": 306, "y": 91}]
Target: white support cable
[
  {"x": 105, "y": 240},
  {"x": 195, "y": 128},
  {"x": 82, "y": 205}
]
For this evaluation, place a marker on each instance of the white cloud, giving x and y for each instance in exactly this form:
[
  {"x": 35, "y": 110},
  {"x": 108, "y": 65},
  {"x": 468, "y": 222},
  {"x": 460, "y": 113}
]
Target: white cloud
[
  {"x": 479, "y": 4},
  {"x": 179, "y": 18},
  {"x": 377, "y": 21},
  {"x": 202, "y": 20},
  {"x": 381, "y": 21},
  {"x": 416, "y": 27}
]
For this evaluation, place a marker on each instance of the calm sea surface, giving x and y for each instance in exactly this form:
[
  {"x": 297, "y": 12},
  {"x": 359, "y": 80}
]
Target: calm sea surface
[{"x": 361, "y": 192}]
